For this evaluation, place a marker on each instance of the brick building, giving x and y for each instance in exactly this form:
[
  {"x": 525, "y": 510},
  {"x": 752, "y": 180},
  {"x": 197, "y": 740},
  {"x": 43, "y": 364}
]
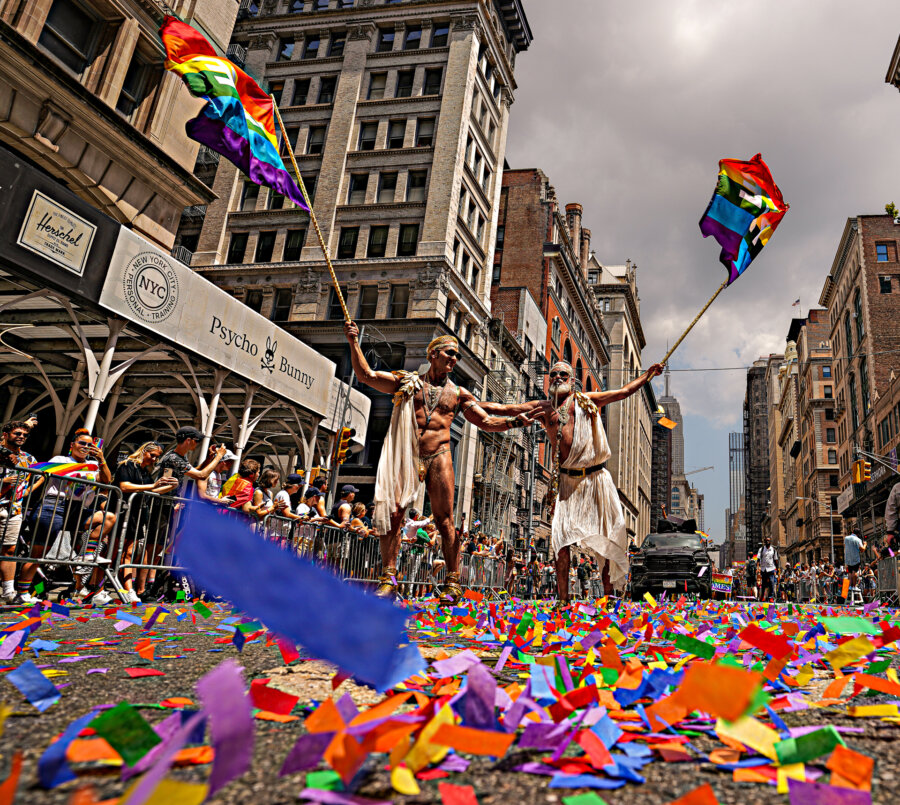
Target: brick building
[
  {"x": 756, "y": 444},
  {"x": 772, "y": 525},
  {"x": 660, "y": 471},
  {"x": 397, "y": 113},
  {"x": 862, "y": 296}
]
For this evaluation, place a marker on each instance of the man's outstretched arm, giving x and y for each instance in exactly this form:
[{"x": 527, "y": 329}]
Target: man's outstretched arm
[
  {"x": 605, "y": 397},
  {"x": 382, "y": 381}
]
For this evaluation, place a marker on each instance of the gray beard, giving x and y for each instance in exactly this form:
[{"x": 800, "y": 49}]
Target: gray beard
[{"x": 559, "y": 392}]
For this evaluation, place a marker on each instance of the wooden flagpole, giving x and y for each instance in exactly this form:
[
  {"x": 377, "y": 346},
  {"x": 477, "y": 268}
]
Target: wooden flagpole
[
  {"x": 696, "y": 319},
  {"x": 312, "y": 215}
]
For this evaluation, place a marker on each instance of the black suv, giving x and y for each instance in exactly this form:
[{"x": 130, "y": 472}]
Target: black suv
[{"x": 671, "y": 560}]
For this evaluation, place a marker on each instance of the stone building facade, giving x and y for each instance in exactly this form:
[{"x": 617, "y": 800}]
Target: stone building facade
[
  {"x": 756, "y": 443},
  {"x": 397, "y": 114},
  {"x": 862, "y": 297},
  {"x": 660, "y": 471},
  {"x": 788, "y": 404},
  {"x": 771, "y": 523}
]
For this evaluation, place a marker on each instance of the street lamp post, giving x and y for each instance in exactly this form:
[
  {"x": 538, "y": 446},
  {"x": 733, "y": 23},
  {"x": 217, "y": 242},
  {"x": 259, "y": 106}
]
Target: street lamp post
[{"x": 830, "y": 519}]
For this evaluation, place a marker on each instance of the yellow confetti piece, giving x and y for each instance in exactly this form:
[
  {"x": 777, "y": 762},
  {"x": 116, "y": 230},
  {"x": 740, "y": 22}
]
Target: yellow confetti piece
[
  {"x": 752, "y": 733},
  {"x": 52, "y": 672},
  {"x": 539, "y": 635},
  {"x": 403, "y": 781},
  {"x": 849, "y": 652},
  {"x": 425, "y": 752},
  {"x": 891, "y": 674},
  {"x": 793, "y": 771},
  {"x": 650, "y": 600},
  {"x": 804, "y": 675},
  {"x": 588, "y": 660},
  {"x": 874, "y": 710},
  {"x": 617, "y": 637},
  {"x": 172, "y": 792},
  {"x": 5, "y": 710}
]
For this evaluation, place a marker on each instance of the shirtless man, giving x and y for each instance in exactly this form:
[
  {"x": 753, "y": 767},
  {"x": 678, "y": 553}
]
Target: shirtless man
[
  {"x": 587, "y": 511},
  {"x": 417, "y": 450}
]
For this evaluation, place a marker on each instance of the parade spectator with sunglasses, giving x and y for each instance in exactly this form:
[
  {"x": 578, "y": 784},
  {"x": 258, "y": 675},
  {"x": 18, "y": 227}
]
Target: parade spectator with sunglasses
[{"x": 13, "y": 488}]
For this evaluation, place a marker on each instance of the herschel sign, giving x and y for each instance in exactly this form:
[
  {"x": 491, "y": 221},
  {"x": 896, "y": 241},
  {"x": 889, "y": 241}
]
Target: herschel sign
[
  {"x": 55, "y": 232},
  {"x": 148, "y": 286}
]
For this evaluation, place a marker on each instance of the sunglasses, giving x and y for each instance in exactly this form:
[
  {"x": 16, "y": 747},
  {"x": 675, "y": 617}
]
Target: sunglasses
[
  {"x": 84, "y": 444},
  {"x": 561, "y": 375},
  {"x": 19, "y": 434},
  {"x": 451, "y": 353}
]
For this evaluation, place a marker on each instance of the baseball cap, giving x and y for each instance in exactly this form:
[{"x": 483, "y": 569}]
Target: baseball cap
[
  {"x": 293, "y": 478},
  {"x": 229, "y": 456},
  {"x": 311, "y": 492},
  {"x": 188, "y": 432},
  {"x": 347, "y": 488}
]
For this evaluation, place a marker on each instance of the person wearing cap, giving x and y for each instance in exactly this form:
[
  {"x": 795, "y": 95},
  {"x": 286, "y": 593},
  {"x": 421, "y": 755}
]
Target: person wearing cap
[
  {"x": 343, "y": 509},
  {"x": 416, "y": 449},
  {"x": 211, "y": 487},
  {"x": 290, "y": 487},
  {"x": 307, "y": 509},
  {"x": 188, "y": 439}
]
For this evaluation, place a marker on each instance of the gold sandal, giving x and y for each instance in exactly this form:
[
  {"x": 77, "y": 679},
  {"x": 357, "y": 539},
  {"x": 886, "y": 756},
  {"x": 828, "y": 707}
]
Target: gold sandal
[
  {"x": 387, "y": 584},
  {"x": 451, "y": 591}
]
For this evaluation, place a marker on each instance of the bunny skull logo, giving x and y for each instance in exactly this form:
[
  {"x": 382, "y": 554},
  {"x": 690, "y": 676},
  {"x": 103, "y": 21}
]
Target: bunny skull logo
[{"x": 268, "y": 359}]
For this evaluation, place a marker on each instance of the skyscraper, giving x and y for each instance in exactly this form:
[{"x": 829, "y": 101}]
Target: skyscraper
[
  {"x": 736, "y": 532},
  {"x": 673, "y": 411}
]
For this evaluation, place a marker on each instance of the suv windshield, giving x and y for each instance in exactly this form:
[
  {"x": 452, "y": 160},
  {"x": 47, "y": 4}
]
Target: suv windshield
[{"x": 690, "y": 541}]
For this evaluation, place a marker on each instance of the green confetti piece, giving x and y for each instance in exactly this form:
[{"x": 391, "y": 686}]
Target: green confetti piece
[
  {"x": 610, "y": 675},
  {"x": 808, "y": 747},
  {"x": 849, "y": 625},
  {"x": 698, "y": 648},
  {"x": 202, "y": 609},
  {"x": 180, "y": 596},
  {"x": 584, "y": 799},
  {"x": 325, "y": 780},
  {"x": 247, "y": 628},
  {"x": 126, "y": 731},
  {"x": 760, "y": 699},
  {"x": 878, "y": 667},
  {"x": 39, "y": 587}
]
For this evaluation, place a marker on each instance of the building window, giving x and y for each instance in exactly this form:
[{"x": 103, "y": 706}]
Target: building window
[
  {"x": 315, "y": 143},
  {"x": 367, "y": 134},
  {"x": 297, "y": 6},
  {"x": 826, "y": 371},
  {"x": 275, "y": 200},
  {"x": 368, "y": 301},
  {"x": 864, "y": 386},
  {"x": 265, "y": 245},
  {"x": 69, "y": 34},
  {"x": 237, "y": 247},
  {"x": 377, "y": 83},
  {"x": 311, "y": 48},
  {"x": 310, "y": 180},
  {"x": 378, "y": 236},
  {"x": 293, "y": 245},
  {"x": 359, "y": 183},
  {"x": 858, "y": 316},
  {"x": 276, "y": 88},
  {"x": 415, "y": 185},
  {"x": 886, "y": 252},
  {"x": 828, "y": 392},
  {"x": 396, "y": 133},
  {"x": 439, "y": 35},
  {"x": 249, "y": 195},
  {"x": 433, "y": 81},
  {"x": 387, "y": 186},
  {"x": 830, "y": 435},
  {"x": 320, "y": 5},
  {"x": 301, "y": 91},
  {"x": 413, "y": 38},
  {"x": 555, "y": 331},
  {"x": 253, "y": 300},
  {"x": 501, "y": 236},
  {"x": 833, "y": 480},
  {"x": 290, "y": 144},
  {"x": 399, "y": 303},
  {"x": 884, "y": 284},
  {"x": 424, "y": 132},
  {"x": 281, "y": 311},
  {"x": 336, "y": 44},
  {"x": 829, "y": 413},
  {"x": 476, "y": 275},
  {"x": 335, "y": 311},
  {"x": 404, "y": 84},
  {"x": 285, "y": 48},
  {"x": 326, "y": 89},
  {"x": 385, "y": 40},
  {"x": 134, "y": 87},
  {"x": 347, "y": 243},
  {"x": 409, "y": 240},
  {"x": 854, "y": 409},
  {"x": 832, "y": 456},
  {"x": 848, "y": 335}
]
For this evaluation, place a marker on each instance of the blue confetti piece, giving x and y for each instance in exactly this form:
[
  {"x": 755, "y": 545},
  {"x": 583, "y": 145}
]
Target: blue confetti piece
[
  {"x": 43, "y": 645},
  {"x": 584, "y": 781},
  {"x": 53, "y": 770},
  {"x": 59, "y": 609},
  {"x": 238, "y": 640},
  {"x": 607, "y": 731},
  {"x": 34, "y": 686},
  {"x": 352, "y": 629}
]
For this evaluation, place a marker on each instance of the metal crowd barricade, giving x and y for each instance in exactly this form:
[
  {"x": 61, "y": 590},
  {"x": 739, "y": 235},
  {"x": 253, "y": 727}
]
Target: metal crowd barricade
[
  {"x": 61, "y": 524},
  {"x": 889, "y": 581}
]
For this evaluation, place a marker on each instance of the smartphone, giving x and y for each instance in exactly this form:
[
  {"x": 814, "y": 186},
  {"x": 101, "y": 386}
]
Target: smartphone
[
  {"x": 98, "y": 443},
  {"x": 167, "y": 472}
]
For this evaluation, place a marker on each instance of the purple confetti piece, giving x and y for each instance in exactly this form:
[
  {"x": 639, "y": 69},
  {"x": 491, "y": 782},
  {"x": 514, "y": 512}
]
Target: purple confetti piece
[
  {"x": 11, "y": 643},
  {"x": 454, "y": 763},
  {"x": 307, "y": 752},
  {"x": 481, "y": 693},
  {"x": 456, "y": 664},
  {"x": 818, "y": 794},
  {"x": 347, "y": 708},
  {"x": 339, "y": 798},
  {"x": 501, "y": 661},
  {"x": 98, "y": 670},
  {"x": 225, "y": 700}
]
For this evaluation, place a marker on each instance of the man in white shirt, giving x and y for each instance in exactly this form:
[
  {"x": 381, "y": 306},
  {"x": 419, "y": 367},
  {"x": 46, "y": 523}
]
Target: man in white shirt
[{"x": 767, "y": 558}]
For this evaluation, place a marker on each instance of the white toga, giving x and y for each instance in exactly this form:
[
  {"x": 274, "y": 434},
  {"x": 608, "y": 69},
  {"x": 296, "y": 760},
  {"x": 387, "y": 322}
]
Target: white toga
[
  {"x": 588, "y": 513},
  {"x": 397, "y": 482}
]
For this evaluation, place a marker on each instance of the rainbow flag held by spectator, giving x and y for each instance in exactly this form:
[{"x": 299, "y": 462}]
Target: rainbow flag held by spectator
[
  {"x": 67, "y": 468},
  {"x": 238, "y": 120},
  {"x": 744, "y": 211}
]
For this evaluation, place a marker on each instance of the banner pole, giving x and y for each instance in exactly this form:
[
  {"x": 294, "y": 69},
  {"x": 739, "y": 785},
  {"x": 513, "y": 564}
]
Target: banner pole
[
  {"x": 312, "y": 215},
  {"x": 696, "y": 319}
]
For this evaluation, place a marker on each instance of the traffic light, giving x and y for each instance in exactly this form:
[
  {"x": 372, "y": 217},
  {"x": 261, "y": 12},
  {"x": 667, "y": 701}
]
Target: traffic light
[
  {"x": 343, "y": 444},
  {"x": 866, "y": 470}
]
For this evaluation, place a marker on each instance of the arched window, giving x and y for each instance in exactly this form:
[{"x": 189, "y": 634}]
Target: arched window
[
  {"x": 579, "y": 371},
  {"x": 556, "y": 330},
  {"x": 589, "y": 385},
  {"x": 567, "y": 351}
]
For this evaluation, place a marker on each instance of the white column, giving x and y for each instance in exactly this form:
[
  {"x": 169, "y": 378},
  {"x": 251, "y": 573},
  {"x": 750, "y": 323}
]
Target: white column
[
  {"x": 244, "y": 432},
  {"x": 208, "y": 417},
  {"x": 99, "y": 384}
]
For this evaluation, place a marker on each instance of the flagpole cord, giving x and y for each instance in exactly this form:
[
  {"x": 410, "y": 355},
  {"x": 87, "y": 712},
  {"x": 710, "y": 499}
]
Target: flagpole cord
[
  {"x": 312, "y": 215},
  {"x": 696, "y": 319}
]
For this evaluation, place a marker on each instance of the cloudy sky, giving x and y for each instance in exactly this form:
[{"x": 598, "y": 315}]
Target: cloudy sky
[{"x": 628, "y": 107}]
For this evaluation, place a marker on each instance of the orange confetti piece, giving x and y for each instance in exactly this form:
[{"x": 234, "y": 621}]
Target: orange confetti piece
[
  {"x": 877, "y": 683},
  {"x": 699, "y": 796},
  {"x": 720, "y": 690},
  {"x": 194, "y": 756},
  {"x": 835, "y": 688},
  {"x": 720, "y": 756},
  {"x": 325, "y": 718},
  {"x": 91, "y": 750},
  {"x": 176, "y": 702},
  {"x": 475, "y": 742},
  {"x": 382, "y": 709},
  {"x": 281, "y": 718},
  {"x": 10, "y": 784},
  {"x": 854, "y": 769}
]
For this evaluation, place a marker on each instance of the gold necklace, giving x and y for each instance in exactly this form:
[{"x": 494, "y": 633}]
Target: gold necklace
[{"x": 431, "y": 396}]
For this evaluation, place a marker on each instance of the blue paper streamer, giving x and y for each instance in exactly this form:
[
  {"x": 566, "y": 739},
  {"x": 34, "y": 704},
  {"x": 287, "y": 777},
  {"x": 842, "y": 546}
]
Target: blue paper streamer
[
  {"x": 34, "y": 686},
  {"x": 332, "y": 620},
  {"x": 53, "y": 769}
]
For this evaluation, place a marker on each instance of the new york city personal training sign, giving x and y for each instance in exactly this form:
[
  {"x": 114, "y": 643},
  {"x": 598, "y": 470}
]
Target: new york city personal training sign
[{"x": 148, "y": 286}]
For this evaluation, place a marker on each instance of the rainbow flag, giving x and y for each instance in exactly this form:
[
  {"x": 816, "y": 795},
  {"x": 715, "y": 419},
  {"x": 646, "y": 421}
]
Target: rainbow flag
[
  {"x": 64, "y": 468},
  {"x": 744, "y": 211},
  {"x": 239, "y": 119}
]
